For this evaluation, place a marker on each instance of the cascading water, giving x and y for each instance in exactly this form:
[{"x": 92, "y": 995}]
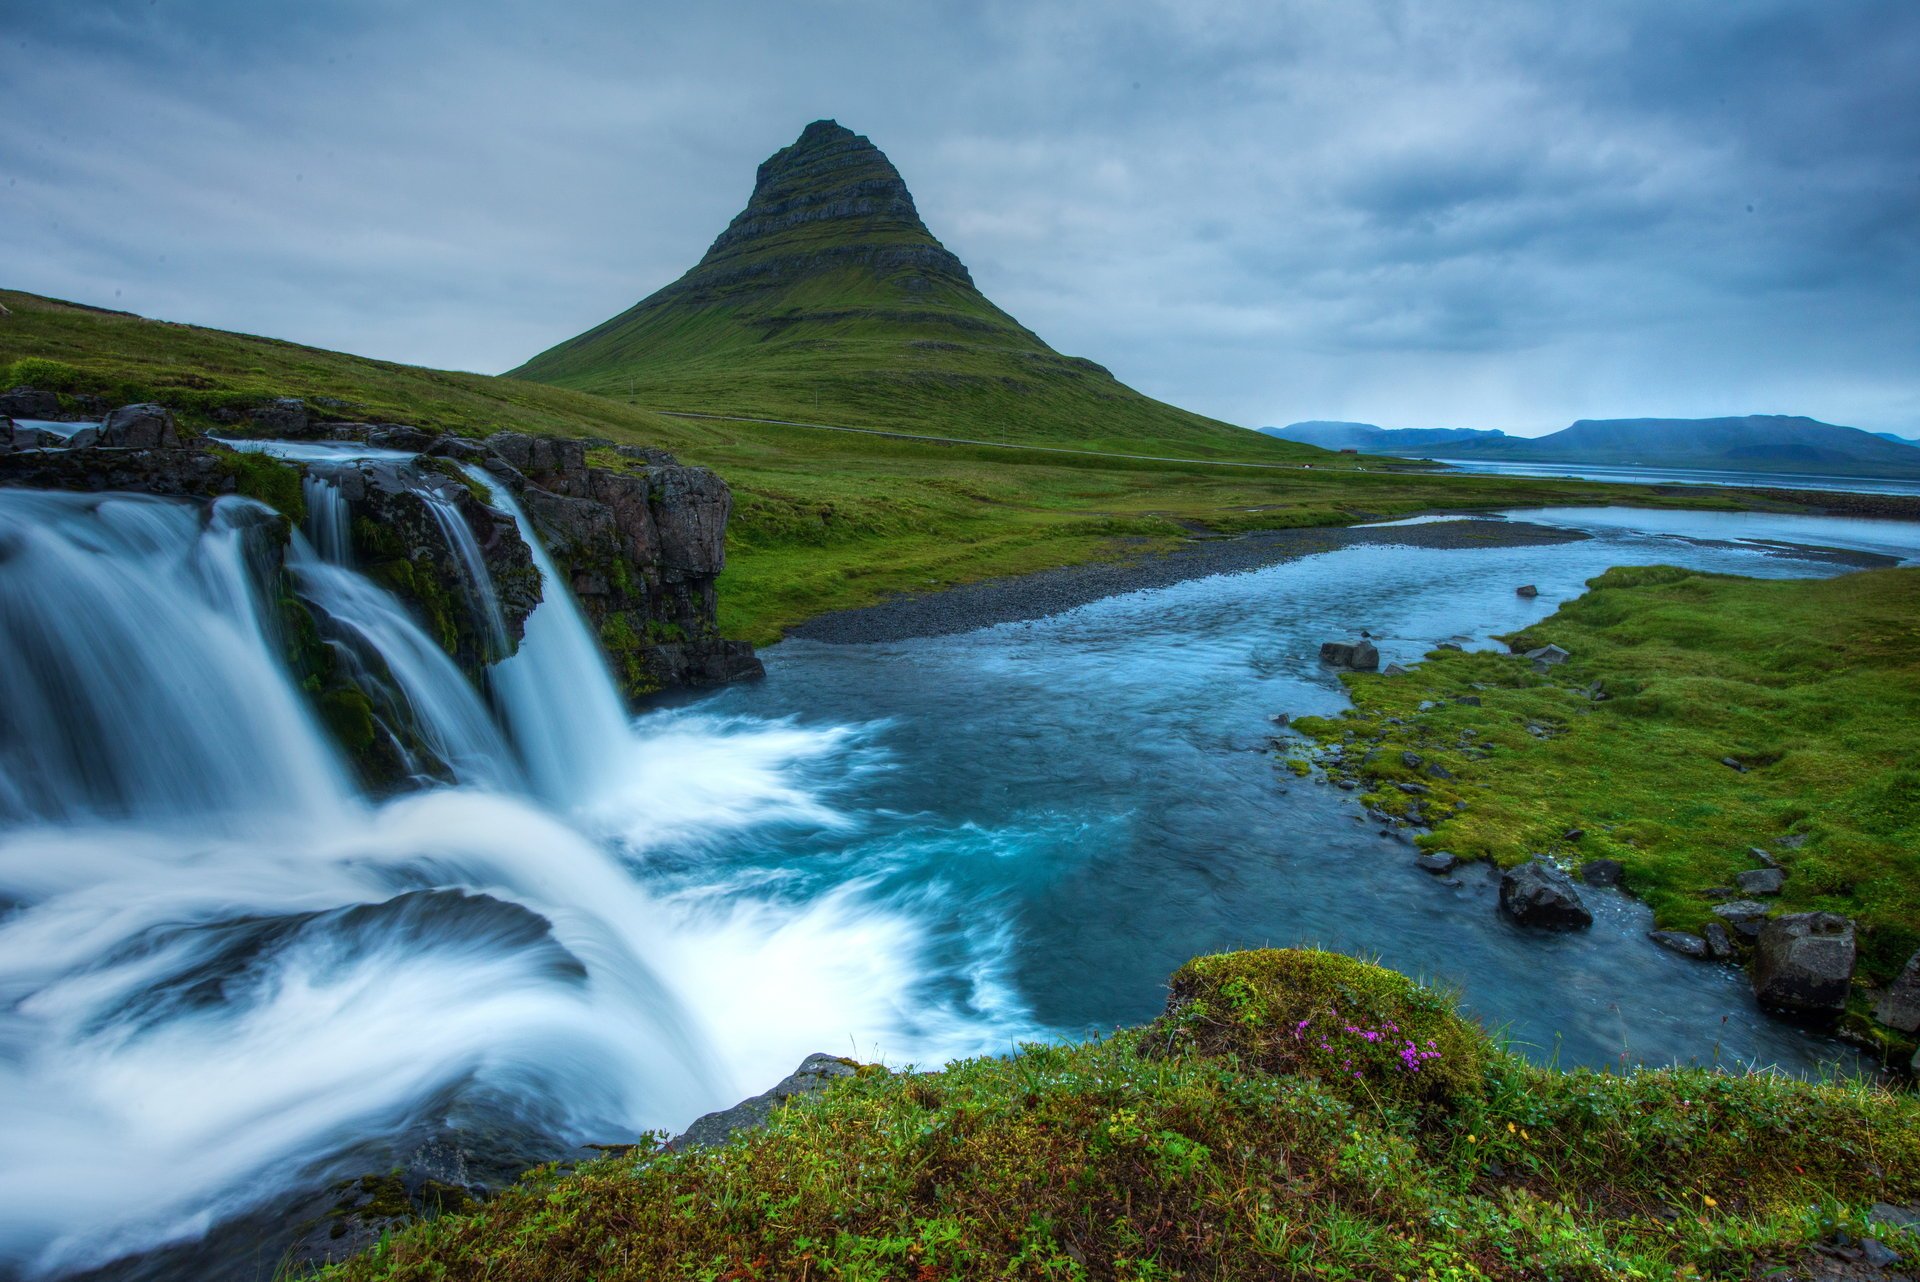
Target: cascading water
[
  {"x": 329, "y": 520},
  {"x": 227, "y": 977}
]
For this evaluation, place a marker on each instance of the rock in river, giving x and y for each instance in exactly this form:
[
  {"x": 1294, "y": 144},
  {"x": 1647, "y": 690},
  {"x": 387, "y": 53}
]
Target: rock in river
[
  {"x": 1803, "y": 963},
  {"x": 1684, "y": 942},
  {"x": 1538, "y": 893},
  {"x": 1361, "y": 656}
]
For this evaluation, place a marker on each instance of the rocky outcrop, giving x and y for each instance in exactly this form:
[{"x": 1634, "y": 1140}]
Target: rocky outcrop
[
  {"x": 1803, "y": 963},
  {"x": 1537, "y": 893},
  {"x": 641, "y": 540},
  {"x": 140, "y": 427},
  {"x": 816, "y": 1072},
  {"x": 641, "y": 544},
  {"x": 29, "y": 402}
]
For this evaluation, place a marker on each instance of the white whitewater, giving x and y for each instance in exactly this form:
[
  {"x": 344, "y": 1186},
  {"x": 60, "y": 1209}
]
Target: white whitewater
[{"x": 220, "y": 964}]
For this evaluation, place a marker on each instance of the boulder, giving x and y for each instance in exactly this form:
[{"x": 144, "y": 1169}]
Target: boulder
[
  {"x": 1538, "y": 893},
  {"x": 1719, "y": 942},
  {"x": 1437, "y": 861},
  {"x": 1602, "y": 872},
  {"x": 1548, "y": 656},
  {"x": 1527, "y": 590},
  {"x": 29, "y": 402},
  {"x": 140, "y": 427},
  {"x": 1686, "y": 943},
  {"x": 282, "y": 416},
  {"x": 1898, "y": 1006},
  {"x": 816, "y": 1073},
  {"x": 1803, "y": 963},
  {"x": 80, "y": 439},
  {"x": 1761, "y": 881},
  {"x": 1744, "y": 916},
  {"x": 1395, "y": 670},
  {"x": 1361, "y": 656}
]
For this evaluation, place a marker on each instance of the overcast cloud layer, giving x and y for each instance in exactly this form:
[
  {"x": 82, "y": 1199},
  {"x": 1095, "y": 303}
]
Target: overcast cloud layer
[{"x": 1497, "y": 213}]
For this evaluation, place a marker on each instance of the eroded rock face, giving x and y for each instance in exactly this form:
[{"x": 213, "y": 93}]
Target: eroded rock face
[
  {"x": 29, "y": 402},
  {"x": 1538, "y": 894},
  {"x": 1803, "y": 963},
  {"x": 641, "y": 546}
]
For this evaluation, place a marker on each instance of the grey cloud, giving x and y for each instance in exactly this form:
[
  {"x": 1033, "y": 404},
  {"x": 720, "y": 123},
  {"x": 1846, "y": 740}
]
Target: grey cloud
[{"x": 1490, "y": 214}]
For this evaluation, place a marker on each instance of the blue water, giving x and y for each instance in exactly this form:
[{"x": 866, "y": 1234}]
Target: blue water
[
  {"x": 1625, "y": 475},
  {"x": 1068, "y": 809}
]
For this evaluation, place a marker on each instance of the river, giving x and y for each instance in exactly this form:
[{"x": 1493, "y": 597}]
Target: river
[{"x": 229, "y": 976}]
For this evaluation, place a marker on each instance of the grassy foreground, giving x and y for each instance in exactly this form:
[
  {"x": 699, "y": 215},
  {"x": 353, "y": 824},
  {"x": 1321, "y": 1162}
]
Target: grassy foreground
[
  {"x": 1812, "y": 685},
  {"x": 823, "y": 520},
  {"x": 1294, "y": 1115}
]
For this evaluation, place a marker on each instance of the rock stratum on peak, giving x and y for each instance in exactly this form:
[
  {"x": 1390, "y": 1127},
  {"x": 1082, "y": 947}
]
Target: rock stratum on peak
[{"x": 828, "y": 300}]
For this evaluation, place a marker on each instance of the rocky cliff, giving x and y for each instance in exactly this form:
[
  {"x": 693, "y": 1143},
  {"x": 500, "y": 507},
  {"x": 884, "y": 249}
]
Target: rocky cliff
[{"x": 640, "y": 538}]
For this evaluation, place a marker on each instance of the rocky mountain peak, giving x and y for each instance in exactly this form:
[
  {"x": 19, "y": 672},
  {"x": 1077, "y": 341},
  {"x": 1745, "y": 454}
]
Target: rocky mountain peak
[{"x": 828, "y": 196}]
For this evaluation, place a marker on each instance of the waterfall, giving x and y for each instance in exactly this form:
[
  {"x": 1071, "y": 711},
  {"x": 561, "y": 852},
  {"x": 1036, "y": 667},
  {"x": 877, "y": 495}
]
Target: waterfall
[
  {"x": 227, "y": 978},
  {"x": 140, "y": 682},
  {"x": 329, "y": 525},
  {"x": 391, "y": 658}
]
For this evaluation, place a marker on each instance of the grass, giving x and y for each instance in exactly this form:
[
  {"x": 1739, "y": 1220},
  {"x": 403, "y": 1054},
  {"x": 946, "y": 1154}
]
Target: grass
[
  {"x": 1149, "y": 1155},
  {"x": 1812, "y": 685},
  {"x": 822, "y": 520}
]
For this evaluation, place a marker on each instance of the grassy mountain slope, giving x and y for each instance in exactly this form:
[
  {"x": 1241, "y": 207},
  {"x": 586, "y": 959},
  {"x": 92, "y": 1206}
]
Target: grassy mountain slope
[
  {"x": 822, "y": 520},
  {"x": 828, "y": 300}
]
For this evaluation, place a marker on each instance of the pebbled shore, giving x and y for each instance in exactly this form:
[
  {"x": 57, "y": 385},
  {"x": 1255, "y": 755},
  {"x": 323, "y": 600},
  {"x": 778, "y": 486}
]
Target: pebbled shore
[{"x": 1035, "y": 596}]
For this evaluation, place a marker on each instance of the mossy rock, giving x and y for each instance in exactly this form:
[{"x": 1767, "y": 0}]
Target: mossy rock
[{"x": 1366, "y": 1031}]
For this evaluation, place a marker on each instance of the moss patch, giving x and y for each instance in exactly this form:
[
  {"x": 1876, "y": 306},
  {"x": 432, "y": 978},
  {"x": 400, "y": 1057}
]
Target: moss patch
[{"x": 1105, "y": 1161}]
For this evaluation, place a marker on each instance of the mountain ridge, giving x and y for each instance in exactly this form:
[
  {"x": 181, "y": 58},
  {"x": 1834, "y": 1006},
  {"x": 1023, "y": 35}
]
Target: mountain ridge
[
  {"x": 1759, "y": 443},
  {"x": 827, "y": 298}
]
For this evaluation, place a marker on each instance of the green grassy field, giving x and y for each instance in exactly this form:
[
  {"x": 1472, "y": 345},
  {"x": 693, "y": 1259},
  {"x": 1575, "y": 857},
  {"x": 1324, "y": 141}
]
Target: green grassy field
[
  {"x": 823, "y": 520},
  {"x": 1257, "y": 1131},
  {"x": 1813, "y": 685}
]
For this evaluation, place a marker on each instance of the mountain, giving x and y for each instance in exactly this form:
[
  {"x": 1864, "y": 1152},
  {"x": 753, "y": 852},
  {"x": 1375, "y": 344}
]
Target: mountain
[
  {"x": 1335, "y": 435},
  {"x": 827, "y": 300},
  {"x": 1898, "y": 440},
  {"x": 1749, "y": 443}
]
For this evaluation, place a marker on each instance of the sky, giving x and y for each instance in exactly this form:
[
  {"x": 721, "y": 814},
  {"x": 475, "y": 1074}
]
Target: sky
[{"x": 1492, "y": 213}]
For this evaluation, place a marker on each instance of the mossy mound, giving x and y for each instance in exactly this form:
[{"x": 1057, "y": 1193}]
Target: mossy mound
[{"x": 1361, "y": 1029}]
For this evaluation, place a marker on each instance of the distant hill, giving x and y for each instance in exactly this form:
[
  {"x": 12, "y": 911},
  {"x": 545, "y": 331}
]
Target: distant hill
[
  {"x": 1749, "y": 443},
  {"x": 1899, "y": 440},
  {"x": 1330, "y": 434},
  {"x": 827, "y": 300}
]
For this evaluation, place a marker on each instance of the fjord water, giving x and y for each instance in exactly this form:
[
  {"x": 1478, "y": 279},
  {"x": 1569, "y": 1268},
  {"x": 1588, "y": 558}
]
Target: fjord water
[{"x": 228, "y": 976}]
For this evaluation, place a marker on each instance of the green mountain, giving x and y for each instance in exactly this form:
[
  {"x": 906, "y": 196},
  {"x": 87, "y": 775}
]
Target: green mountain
[{"x": 827, "y": 300}]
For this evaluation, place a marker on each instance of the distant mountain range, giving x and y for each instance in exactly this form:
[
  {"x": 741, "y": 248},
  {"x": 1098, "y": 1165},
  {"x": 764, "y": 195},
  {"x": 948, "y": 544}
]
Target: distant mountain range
[{"x": 1750, "y": 443}]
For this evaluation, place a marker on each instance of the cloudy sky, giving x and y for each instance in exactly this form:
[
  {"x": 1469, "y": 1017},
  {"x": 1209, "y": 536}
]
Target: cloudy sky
[{"x": 1491, "y": 213}]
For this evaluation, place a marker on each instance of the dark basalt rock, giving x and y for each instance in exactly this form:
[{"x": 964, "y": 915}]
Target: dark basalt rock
[
  {"x": 1539, "y": 894},
  {"x": 30, "y": 402},
  {"x": 1683, "y": 942},
  {"x": 1602, "y": 872},
  {"x": 1360, "y": 656},
  {"x": 1803, "y": 963},
  {"x": 140, "y": 427},
  {"x": 1898, "y": 1006},
  {"x": 816, "y": 1072},
  {"x": 1762, "y": 881}
]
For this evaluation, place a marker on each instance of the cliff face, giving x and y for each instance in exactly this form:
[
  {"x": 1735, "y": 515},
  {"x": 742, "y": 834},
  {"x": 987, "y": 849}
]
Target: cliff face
[
  {"x": 641, "y": 543},
  {"x": 641, "y": 539}
]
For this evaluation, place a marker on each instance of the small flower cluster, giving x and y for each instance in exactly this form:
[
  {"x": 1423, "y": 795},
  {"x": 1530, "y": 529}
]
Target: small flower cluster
[{"x": 1411, "y": 1055}]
